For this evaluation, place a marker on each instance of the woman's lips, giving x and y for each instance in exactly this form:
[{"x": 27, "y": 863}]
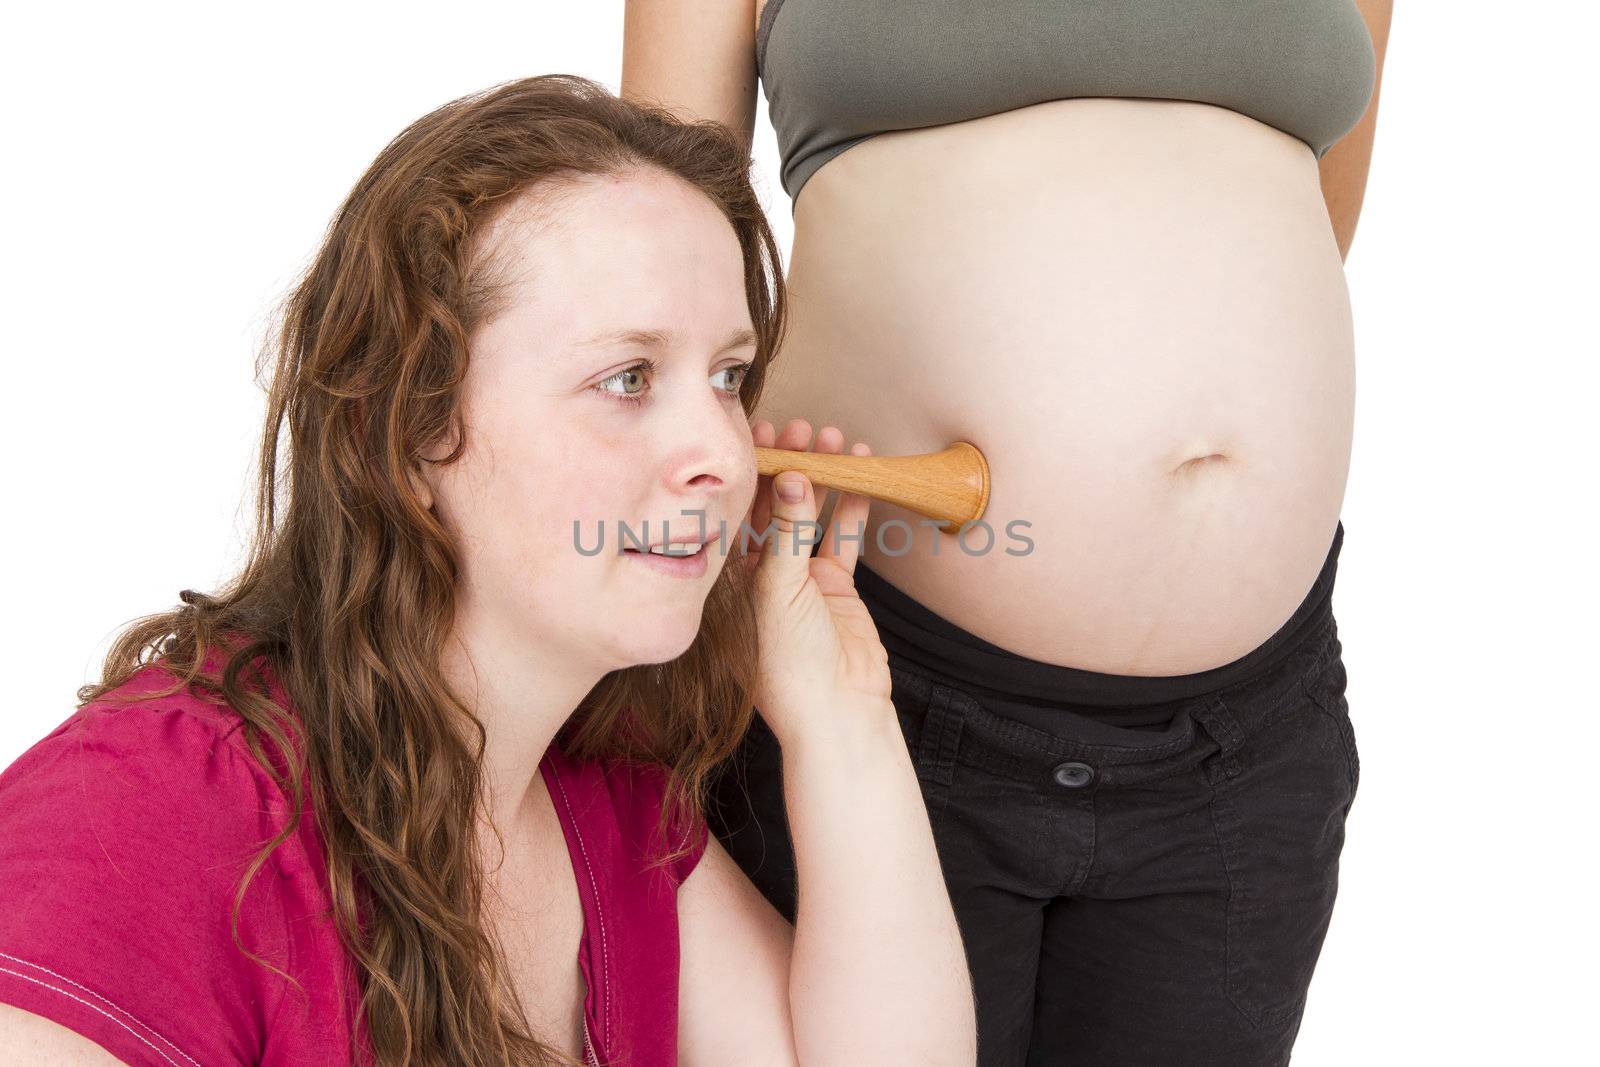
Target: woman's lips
[{"x": 672, "y": 566}]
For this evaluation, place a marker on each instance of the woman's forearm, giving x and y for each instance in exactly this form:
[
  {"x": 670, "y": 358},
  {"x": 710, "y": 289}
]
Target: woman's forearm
[{"x": 878, "y": 974}]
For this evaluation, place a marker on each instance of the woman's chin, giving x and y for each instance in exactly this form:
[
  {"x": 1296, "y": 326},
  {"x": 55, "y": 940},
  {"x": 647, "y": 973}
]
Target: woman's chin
[{"x": 660, "y": 637}]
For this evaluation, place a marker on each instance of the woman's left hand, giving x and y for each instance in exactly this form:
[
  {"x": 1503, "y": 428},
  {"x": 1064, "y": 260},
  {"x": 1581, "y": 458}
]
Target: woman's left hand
[{"x": 821, "y": 662}]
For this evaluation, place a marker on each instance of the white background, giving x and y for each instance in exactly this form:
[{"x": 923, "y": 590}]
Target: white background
[{"x": 170, "y": 168}]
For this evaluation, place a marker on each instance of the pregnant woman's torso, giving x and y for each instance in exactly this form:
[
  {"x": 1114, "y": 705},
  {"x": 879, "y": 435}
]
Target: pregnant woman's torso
[{"x": 1137, "y": 309}]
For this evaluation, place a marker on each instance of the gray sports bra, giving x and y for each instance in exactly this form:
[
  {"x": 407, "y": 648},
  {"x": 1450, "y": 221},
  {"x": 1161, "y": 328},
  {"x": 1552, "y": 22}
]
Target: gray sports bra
[{"x": 837, "y": 72}]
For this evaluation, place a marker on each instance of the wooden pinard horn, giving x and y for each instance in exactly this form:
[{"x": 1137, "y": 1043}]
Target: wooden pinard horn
[{"x": 951, "y": 486}]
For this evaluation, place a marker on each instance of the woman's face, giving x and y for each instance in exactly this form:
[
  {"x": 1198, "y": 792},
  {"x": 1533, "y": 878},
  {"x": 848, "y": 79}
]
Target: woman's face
[{"x": 567, "y": 425}]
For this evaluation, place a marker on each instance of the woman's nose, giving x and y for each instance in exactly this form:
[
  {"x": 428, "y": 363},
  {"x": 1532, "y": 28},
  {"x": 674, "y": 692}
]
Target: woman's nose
[
  {"x": 713, "y": 463},
  {"x": 710, "y": 451}
]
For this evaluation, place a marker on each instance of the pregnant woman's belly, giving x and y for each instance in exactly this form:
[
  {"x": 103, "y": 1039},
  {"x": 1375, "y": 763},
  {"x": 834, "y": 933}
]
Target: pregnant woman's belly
[{"x": 1137, "y": 310}]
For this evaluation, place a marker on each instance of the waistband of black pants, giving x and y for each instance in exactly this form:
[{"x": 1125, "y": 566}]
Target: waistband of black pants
[
  {"x": 945, "y": 726},
  {"x": 1040, "y": 694}
]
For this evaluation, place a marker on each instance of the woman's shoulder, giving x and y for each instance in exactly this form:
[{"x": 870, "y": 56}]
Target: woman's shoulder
[
  {"x": 170, "y": 753},
  {"x": 126, "y": 834}
]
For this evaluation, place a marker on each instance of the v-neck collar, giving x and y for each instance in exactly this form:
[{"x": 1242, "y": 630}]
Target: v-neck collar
[{"x": 570, "y": 782}]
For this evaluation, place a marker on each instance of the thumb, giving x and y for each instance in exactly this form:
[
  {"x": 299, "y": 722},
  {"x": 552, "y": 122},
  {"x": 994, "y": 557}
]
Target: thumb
[{"x": 791, "y": 534}]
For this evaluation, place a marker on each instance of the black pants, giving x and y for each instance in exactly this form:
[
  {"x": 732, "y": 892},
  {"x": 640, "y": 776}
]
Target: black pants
[{"x": 1149, "y": 895}]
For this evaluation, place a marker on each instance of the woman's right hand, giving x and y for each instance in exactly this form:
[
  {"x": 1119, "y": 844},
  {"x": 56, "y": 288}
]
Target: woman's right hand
[{"x": 822, "y": 666}]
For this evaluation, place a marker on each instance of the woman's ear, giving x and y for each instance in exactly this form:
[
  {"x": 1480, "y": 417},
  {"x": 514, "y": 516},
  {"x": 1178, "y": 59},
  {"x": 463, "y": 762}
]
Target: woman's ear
[
  {"x": 424, "y": 469},
  {"x": 416, "y": 476},
  {"x": 419, "y": 485}
]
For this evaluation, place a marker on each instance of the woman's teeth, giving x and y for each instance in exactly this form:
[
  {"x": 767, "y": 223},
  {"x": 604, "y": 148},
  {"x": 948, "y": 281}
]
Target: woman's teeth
[
  {"x": 675, "y": 550},
  {"x": 675, "y": 561}
]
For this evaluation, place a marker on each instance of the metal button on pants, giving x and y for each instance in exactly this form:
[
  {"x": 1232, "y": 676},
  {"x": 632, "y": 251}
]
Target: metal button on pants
[{"x": 1074, "y": 775}]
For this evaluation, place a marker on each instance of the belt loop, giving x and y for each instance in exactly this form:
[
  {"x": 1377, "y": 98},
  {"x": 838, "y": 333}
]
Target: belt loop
[
  {"x": 1224, "y": 729},
  {"x": 941, "y": 737}
]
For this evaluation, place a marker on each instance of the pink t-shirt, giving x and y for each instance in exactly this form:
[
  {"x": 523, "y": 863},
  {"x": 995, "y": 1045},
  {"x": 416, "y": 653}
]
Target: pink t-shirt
[{"x": 124, "y": 832}]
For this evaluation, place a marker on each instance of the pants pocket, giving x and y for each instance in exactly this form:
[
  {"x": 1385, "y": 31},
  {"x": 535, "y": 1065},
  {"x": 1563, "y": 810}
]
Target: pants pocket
[
  {"x": 1279, "y": 823},
  {"x": 1327, "y": 690},
  {"x": 930, "y": 722}
]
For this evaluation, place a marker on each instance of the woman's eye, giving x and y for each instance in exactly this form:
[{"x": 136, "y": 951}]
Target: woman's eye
[
  {"x": 630, "y": 375},
  {"x": 633, "y": 381},
  {"x": 738, "y": 370}
]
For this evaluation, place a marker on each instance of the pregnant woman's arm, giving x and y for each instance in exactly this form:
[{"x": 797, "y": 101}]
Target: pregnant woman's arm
[
  {"x": 1344, "y": 168},
  {"x": 697, "y": 58}
]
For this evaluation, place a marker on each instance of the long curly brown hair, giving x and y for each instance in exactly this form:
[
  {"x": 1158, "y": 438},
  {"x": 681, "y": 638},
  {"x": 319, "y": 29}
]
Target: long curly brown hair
[{"x": 347, "y": 591}]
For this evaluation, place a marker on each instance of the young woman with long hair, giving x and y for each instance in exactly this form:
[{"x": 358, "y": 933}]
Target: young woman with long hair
[{"x": 422, "y": 784}]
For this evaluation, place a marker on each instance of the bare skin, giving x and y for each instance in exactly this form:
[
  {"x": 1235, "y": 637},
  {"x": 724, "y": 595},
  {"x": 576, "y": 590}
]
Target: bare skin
[
  {"x": 1158, "y": 362},
  {"x": 531, "y": 903}
]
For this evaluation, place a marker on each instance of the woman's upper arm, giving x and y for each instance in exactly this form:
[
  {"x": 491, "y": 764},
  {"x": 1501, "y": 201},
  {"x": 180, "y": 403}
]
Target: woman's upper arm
[
  {"x": 1344, "y": 167},
  {"x": 697, "y": 58},
  {"x": 733, "y": 984},
  {"x": 29, "y": 1038}
]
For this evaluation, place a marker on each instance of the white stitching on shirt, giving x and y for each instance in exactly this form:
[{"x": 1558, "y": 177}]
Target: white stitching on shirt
[
  {"x": 96, "y": 1007},
  {"x": 605, "y": 974}
]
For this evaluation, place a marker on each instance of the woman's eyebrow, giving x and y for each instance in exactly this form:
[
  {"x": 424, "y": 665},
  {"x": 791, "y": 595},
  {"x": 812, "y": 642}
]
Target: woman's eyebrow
[{"x": 660, "y": 339}]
